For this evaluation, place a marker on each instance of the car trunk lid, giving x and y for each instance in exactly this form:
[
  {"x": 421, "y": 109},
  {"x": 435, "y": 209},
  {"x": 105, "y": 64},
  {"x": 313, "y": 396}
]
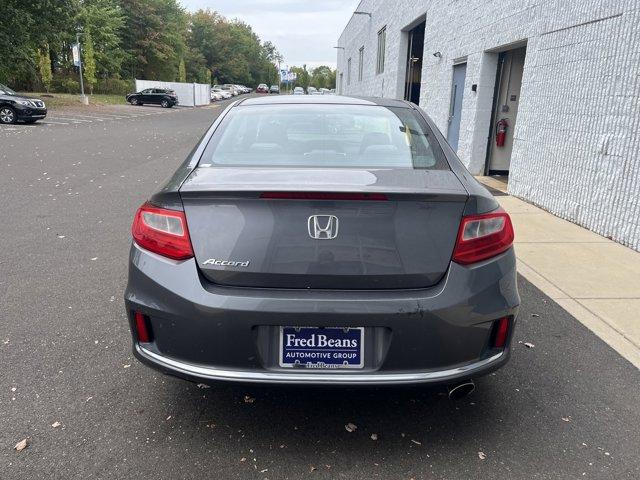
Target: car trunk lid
[{"x": 323, "y": 228}]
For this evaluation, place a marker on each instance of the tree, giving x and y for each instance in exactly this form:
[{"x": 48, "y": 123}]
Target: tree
[
  {"x": 24, "y": 27},
  {"x": 272, "y": 53},
  {"x": 302, "y": 77},
  {"x": 323, "y": 77},
  {"x": 182, "y": 72},
  {"x": 273, "y": 57},
  {"x": 126, "y": 39},
  {"x": 44, "y": 66},
  {"x": 231, "y": 50},
  {"x": 154, "y": 37},
  {"x": 272, "y": 75},
  {"x": 105, "y": 20},
  {"x": 89, "y": 62}
]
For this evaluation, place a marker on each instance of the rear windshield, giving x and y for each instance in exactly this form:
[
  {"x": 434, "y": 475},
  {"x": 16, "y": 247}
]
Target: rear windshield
[{"x": 321, "y": 135}]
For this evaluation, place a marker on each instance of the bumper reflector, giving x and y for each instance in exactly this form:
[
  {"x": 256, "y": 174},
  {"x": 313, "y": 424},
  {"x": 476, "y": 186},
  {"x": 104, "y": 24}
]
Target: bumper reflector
[
  {"x": 501, "y": 332},
  {"x": 143, "y": 330}
]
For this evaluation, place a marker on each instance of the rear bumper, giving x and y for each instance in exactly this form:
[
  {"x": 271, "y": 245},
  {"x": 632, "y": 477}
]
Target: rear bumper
[
  {"x": 202, "y": 373},
  {"x": 203, "y": 332}
]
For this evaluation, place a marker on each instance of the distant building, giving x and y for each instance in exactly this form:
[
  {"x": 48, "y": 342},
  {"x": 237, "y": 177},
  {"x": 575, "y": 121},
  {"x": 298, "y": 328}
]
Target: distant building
[{"x": 564, "y": 76}]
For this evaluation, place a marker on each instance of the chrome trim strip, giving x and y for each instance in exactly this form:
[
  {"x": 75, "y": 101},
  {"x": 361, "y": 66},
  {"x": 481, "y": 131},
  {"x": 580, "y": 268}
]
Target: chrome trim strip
[{"x": 209, "y": 373}]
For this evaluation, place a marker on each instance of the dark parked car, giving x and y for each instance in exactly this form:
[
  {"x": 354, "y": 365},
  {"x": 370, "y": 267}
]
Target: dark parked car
[
  {"x": 323, "y": 240},
  {"x": 274, "y": 89},
  {"x": 158, "y": 96},
  {"x": 14, "y": 107}
]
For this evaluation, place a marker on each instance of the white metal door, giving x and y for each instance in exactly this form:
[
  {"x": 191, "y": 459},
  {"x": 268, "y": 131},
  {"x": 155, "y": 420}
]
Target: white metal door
[
  {"x": 455, "y": 106},
  {"x": 506, "y": 107}
]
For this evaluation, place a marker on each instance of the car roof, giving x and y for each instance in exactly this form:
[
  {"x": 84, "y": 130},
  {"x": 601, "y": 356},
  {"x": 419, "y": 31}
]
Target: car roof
[{"x": 324, "y": 99}]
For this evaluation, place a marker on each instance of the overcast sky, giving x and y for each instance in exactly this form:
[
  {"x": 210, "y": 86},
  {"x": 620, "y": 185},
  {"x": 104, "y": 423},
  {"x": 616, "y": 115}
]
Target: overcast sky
[{"x": 304, "y": 31}]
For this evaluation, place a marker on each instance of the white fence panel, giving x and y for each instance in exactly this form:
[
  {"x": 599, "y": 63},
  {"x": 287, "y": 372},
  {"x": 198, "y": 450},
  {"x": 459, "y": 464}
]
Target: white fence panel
[
  {"x": 202, "y": 93},
  {"x": 189, "y": 94}
]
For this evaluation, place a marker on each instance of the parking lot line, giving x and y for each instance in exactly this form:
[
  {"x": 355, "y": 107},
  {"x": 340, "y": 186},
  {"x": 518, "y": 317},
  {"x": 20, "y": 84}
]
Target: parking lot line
[
  {"x": 71, "y": 119},
  {"x": 119, "y": 115},
  {"x": 100, "y": 119}
]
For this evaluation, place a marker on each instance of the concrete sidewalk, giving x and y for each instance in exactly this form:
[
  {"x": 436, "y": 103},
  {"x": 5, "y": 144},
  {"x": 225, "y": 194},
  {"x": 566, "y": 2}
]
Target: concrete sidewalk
[{"x": 593, "y": 278}]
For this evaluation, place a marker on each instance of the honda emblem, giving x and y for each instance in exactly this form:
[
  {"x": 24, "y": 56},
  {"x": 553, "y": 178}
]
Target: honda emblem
[{"x": 323, "y": 227}]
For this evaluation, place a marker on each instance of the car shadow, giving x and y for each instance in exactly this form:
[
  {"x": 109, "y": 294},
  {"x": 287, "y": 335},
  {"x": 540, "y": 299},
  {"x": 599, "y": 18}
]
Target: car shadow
[
  {"x": 18, "y": 124},
  {"x": 316, "y": 418}
]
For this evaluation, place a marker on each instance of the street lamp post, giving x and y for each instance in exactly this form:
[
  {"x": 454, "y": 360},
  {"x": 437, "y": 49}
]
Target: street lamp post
[
  {"x": 83, "y": 97},
  {"x": 279, "y": 77}
]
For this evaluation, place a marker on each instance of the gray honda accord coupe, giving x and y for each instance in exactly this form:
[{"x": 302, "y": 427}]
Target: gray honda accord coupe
[{"x": 322, "y": 240}]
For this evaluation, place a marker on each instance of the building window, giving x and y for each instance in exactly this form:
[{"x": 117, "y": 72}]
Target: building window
[
  {"x": 360, "y": 62},
  {"x": 382, "y": 41},
  {"x": 349, "y": 72}
]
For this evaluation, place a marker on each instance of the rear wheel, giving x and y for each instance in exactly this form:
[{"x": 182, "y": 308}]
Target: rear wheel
[
  {"x": 165, "y": 103},
  {"x": 7, "y": 115}
]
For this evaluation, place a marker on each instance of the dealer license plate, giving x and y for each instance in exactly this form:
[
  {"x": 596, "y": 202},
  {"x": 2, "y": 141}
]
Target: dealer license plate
[{"x": 321, "y": 347}]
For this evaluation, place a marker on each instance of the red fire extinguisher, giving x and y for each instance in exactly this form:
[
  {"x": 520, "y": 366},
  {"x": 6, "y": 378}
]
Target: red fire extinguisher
[{"x": 501, "y": 132}]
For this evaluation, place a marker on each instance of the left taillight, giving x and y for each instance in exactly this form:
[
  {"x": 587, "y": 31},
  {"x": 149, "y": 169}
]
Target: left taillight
[
  {"x": 162, "y": 231},
  {"x": 483, "y": 236}
]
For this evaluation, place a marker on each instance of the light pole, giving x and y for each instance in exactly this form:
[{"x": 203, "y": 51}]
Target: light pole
[
  {"x": 279, "y": 77},
  {"x": 83, "y": 98}
]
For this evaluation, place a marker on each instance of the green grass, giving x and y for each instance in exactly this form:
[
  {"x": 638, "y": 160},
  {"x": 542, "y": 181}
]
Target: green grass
[{"x": 57, "y": 100}]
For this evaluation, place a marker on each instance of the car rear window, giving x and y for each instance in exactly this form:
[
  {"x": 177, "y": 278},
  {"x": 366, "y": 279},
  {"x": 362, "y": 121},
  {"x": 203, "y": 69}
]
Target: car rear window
[{"x": 321, "y": 135}]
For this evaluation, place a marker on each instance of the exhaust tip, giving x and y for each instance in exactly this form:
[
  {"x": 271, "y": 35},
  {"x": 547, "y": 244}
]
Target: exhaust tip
[{"x": 461, "y": 390}]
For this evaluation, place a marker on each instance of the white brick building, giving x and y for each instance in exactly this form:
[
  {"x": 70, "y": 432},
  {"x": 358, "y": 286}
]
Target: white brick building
[{"x": 565, "y": 75}]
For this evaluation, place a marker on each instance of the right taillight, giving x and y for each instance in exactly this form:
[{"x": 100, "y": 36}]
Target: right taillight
[{"x": 483, "y": 236}]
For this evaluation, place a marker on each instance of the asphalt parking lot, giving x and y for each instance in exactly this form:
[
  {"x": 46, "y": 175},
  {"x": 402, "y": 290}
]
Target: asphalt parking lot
[
  {"x": 78, "y": 116},
  {"x": 566, "y": 408}
]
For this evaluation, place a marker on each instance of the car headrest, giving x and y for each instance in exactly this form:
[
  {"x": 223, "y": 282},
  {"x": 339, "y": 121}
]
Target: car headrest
[{"x": 374, "y": 138}]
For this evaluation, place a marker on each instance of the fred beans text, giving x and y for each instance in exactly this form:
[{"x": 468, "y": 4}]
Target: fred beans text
[{"x": 320, "y": 340}]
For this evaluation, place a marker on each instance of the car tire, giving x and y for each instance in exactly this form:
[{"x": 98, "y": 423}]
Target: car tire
[
  {"x": 134, "y": 101},
  {"x": 165, "y": 103},
  {"x": 8, "y": 115}
]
